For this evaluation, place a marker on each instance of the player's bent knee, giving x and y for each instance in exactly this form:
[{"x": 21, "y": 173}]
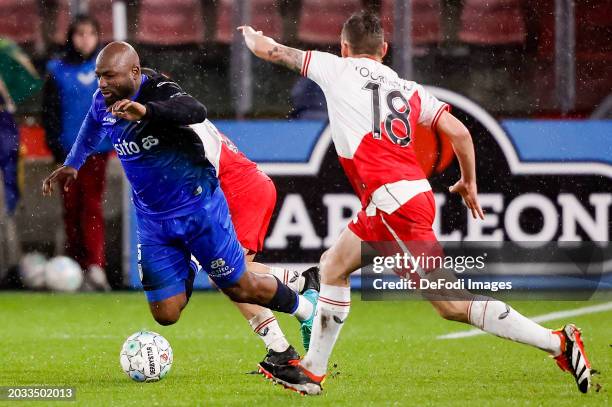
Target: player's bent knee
[
  {"x": 251, "y": 288},
  {"x": 324, "y": 261},
  {"x": 165, "y": 314},
  {"x": 332, "y": 266},
  {"x": 165, "y": 320},
  {"x": 451, "y": 310},
  {"x": 235, "y": 293},
  {"x": 242, "y": 291},
  {"x": 168, "y": 316}
]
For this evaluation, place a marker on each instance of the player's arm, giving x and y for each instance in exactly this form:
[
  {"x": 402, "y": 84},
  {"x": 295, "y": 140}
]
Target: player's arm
[
  {"x": 86, "y": 142},
  {"x": 170, "y": 105},
  {"x": 9, "y": 104},
  {"x": 461, "y": 140},
  {"x": 269, "y": 50}
]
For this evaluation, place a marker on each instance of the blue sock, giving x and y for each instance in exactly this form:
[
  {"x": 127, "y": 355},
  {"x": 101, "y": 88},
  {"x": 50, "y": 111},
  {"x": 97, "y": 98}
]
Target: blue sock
[{"x": 284, "y": 300}]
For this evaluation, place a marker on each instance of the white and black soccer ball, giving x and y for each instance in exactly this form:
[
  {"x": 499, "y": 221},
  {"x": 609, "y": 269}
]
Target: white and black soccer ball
[
  {"x": 32, "y": 270},
  {"x": 146, "y": 357},
  {"x": 63, "y": 274}
]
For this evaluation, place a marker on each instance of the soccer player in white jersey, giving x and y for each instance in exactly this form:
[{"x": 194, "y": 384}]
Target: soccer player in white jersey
[
  {"x": 372, "y": 112},
  {"x": 251, "y": 197}
]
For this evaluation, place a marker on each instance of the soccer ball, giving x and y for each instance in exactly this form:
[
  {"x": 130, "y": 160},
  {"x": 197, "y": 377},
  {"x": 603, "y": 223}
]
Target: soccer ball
[
  {"x": 63, "y": 274},
  {"x": 146, "y": 357},
  {"x": 32, "y": 270}
]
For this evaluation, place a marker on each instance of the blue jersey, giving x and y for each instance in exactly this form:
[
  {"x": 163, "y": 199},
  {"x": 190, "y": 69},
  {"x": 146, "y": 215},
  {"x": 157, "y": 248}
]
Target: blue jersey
[
  {"x": 74, "y": 83},
  {"x": 162, "y": 156}
]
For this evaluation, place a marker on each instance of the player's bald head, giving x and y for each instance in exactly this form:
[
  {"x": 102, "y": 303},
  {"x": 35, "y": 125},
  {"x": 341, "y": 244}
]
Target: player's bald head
[
  {"x": 118, "y": 70},
  {"x": 119, "y": 55}
]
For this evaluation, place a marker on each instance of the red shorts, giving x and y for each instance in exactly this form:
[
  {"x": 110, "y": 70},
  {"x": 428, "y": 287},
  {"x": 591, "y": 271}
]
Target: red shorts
[
  {"x": 251, "y": 210},
  {"x": 408, "y": 229}
]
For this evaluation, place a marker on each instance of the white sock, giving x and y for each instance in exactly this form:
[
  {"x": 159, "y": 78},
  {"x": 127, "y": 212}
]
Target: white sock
[
  {"x": 332, "y": 310},
  {"x": 266, "y": 327},
  {"x": 290, "y": 278},
  {"x": 304, "y": 309},
  {"x": 498, "y": 318}
]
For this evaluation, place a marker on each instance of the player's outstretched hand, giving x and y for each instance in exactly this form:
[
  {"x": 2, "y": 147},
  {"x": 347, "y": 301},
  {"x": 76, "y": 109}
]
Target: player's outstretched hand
[
  {"x": 469, "y": 193},
  {"x": 64, "y": 176},
  {"x": 250, "y": 36},
  {"x": 128, "y": 110}
]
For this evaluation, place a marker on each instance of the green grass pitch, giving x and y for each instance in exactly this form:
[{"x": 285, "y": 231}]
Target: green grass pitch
[{"x": 387, "y": 354}]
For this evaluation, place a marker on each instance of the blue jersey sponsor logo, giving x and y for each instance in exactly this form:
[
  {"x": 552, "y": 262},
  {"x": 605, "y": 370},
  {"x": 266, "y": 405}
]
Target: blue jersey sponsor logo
[{"x": 125, "y": 148}]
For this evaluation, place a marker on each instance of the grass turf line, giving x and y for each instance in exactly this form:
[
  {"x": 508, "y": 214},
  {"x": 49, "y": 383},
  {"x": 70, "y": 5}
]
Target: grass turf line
[{"x": 387, "y": 354}]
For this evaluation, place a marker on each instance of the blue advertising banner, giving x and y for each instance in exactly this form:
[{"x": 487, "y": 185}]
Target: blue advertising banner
[{"x": 539, "y": 181}]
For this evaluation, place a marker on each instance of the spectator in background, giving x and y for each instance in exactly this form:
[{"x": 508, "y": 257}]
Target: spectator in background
[
  {"x": 49, "y": 12},
  {"x": 9, "y": 149},
  {"x": 9, "y": 158},
  {"x": 71, "y": 82},
  {"x": 18, "y": 81}
]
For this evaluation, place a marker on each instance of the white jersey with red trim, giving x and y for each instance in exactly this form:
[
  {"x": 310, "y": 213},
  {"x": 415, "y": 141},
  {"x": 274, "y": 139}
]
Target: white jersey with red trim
[
  {"x": 233, "y": 168},
  {"x": 372, "y": 114}
]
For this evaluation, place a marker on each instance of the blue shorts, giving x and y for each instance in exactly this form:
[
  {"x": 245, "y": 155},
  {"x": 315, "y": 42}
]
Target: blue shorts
[{"x": 165, "y": 248}]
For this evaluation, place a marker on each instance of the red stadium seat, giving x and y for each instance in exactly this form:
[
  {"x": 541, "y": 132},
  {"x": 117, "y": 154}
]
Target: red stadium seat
[
  {"x": 593, "y": 52},
  {"x": 102, "y": 11},
  {"x": 20, "y": 20},
  {"x": 594, "y": 29},
  {"x": 425, "y": 21},
  {"x": 170, "y": 22},
  {"x": 322, "y": 20},
  {"x": 62, "y": 22},
  {"x": 264, "y": 16},
  {"x": 493, "y": 22}
]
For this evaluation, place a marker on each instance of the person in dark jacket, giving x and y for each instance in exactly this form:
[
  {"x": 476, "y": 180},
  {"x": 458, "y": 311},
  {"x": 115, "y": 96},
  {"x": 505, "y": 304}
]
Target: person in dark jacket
[
  {"x": 70, "y": 84},
  {"x": 9, "y": 149}
]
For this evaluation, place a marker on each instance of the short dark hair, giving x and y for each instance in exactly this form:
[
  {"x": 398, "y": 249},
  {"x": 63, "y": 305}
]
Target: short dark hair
[
  {"x": 364, "y": 33},
  {"x": 82, "y": 19},
  {"x": 72, "y": 55}
]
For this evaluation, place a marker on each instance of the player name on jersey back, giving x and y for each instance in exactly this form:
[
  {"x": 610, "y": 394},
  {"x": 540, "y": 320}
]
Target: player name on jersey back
[{"x": 373, "y": 115}]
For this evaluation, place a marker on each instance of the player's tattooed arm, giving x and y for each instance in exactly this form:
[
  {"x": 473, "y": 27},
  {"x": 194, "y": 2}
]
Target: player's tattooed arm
[
  {"x": 268, "y": 49},
  {"x": 286, "y": 56}
]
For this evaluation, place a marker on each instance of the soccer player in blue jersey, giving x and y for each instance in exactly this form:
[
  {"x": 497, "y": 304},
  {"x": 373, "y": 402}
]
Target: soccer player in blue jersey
[{"x": 181, "y": 210}]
